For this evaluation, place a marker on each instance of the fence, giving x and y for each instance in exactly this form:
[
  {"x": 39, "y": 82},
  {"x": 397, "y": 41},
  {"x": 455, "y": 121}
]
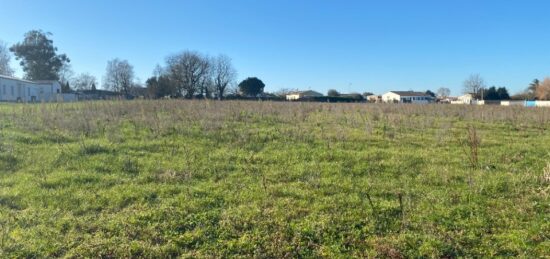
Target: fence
[
  {"x": 542, "y": 103},
  {"x": 507, "y": 103},
  {"x": 512, "y": 103}
]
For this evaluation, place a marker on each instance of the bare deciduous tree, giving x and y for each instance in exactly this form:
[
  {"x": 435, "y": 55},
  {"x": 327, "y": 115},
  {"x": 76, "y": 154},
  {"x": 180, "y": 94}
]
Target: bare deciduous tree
[
  {"x": 66, "y": 73},
  {"x": 84, "y": 81},
  {"x": 206, "y": 84},
  {"x": 158, "y": 71},
  {"x": 5, "y": 58},
  {"x": 223, "y": 74},
  {"x": 188, "y": 71},
  {"x": 474, "y": 84},
  {"x": 119, "y": 76},
  {"x": 443, "y": 92},
  {"x": 543, "y": 89}
]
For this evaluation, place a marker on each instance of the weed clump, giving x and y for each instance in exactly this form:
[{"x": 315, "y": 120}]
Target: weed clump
[
  {"x": 130, "y": 166},
  {"x": 471, "y": 146}
]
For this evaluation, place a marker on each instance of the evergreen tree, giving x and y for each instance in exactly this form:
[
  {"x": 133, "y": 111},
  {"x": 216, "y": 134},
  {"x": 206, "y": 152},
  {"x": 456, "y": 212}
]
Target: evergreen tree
[
  {"x": 333, "y": 93},
  {"x": 38, "y": 56},
  {"x": 251, "y": 86},
  {"x": 503, "y": 93},
  {"x": 66, "y": 88}
]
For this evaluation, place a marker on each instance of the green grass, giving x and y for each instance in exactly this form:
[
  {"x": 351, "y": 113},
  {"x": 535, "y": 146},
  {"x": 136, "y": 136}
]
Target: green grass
[{"x": 262, "y": 179}]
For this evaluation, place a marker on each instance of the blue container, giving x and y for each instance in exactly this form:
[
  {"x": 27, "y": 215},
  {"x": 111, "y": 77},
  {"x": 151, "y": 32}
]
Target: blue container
[{"x": 530, "y": 103}]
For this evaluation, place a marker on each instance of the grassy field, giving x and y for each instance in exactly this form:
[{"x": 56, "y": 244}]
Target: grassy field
[{"x": 264, "y": 179}]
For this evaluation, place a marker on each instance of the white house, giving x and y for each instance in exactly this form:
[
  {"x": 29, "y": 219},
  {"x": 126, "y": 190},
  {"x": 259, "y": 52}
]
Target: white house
[
  {"x": 18, "y": 90},
  {"x": 464, "y": 99},
  {"x": 406, "y": 97},
  {"x": 294, "y": 96},
  {"x": 467, "y": 98}
]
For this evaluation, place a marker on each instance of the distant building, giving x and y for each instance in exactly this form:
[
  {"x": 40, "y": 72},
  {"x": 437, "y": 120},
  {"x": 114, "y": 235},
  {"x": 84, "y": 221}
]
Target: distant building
[
  {"x": 406, "y": 97},
  {"x": 465, "y": 99},
  {"x": 448, "y": 99},
  {"x": 96, "y": 94},
  {"x": 294, "y": 96},
  {"x": 374, "y": 98},
  {"x": 19, "y": 90},
  {"x": 138, "y": 92}
]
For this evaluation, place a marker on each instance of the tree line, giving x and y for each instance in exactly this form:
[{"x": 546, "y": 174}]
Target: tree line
[
  {"x": 40, "y": 60},
  {"x": 536, "y": 90},
  {"x": 188, "y": 74},
  {"x": 475, "y": 85},
  {"x": 191, "y": 74}
]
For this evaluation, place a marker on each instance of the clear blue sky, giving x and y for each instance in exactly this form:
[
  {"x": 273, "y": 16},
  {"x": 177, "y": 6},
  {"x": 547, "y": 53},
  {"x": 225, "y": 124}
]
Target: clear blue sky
[{"x": 315, "y": 44}]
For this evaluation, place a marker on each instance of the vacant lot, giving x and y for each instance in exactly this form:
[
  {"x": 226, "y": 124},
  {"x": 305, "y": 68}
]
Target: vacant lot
[{"x": 223, "y": 179}]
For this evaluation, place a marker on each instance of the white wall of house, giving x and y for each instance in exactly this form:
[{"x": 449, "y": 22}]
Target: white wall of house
[
  {"x": 299, "y": 95},
  {"x": 19, "y": 90},
  {"x": 391, "y": 97},
  {"x": 415, "y": 99},
  {"x": 466, "y": 99},
  {"x": 292, "y": 97}
]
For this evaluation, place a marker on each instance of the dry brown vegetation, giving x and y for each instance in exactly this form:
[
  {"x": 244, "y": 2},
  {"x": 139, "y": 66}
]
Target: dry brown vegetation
[
  {"x": 543, "y": 90},
  {"x": 161, "y": 116}
]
